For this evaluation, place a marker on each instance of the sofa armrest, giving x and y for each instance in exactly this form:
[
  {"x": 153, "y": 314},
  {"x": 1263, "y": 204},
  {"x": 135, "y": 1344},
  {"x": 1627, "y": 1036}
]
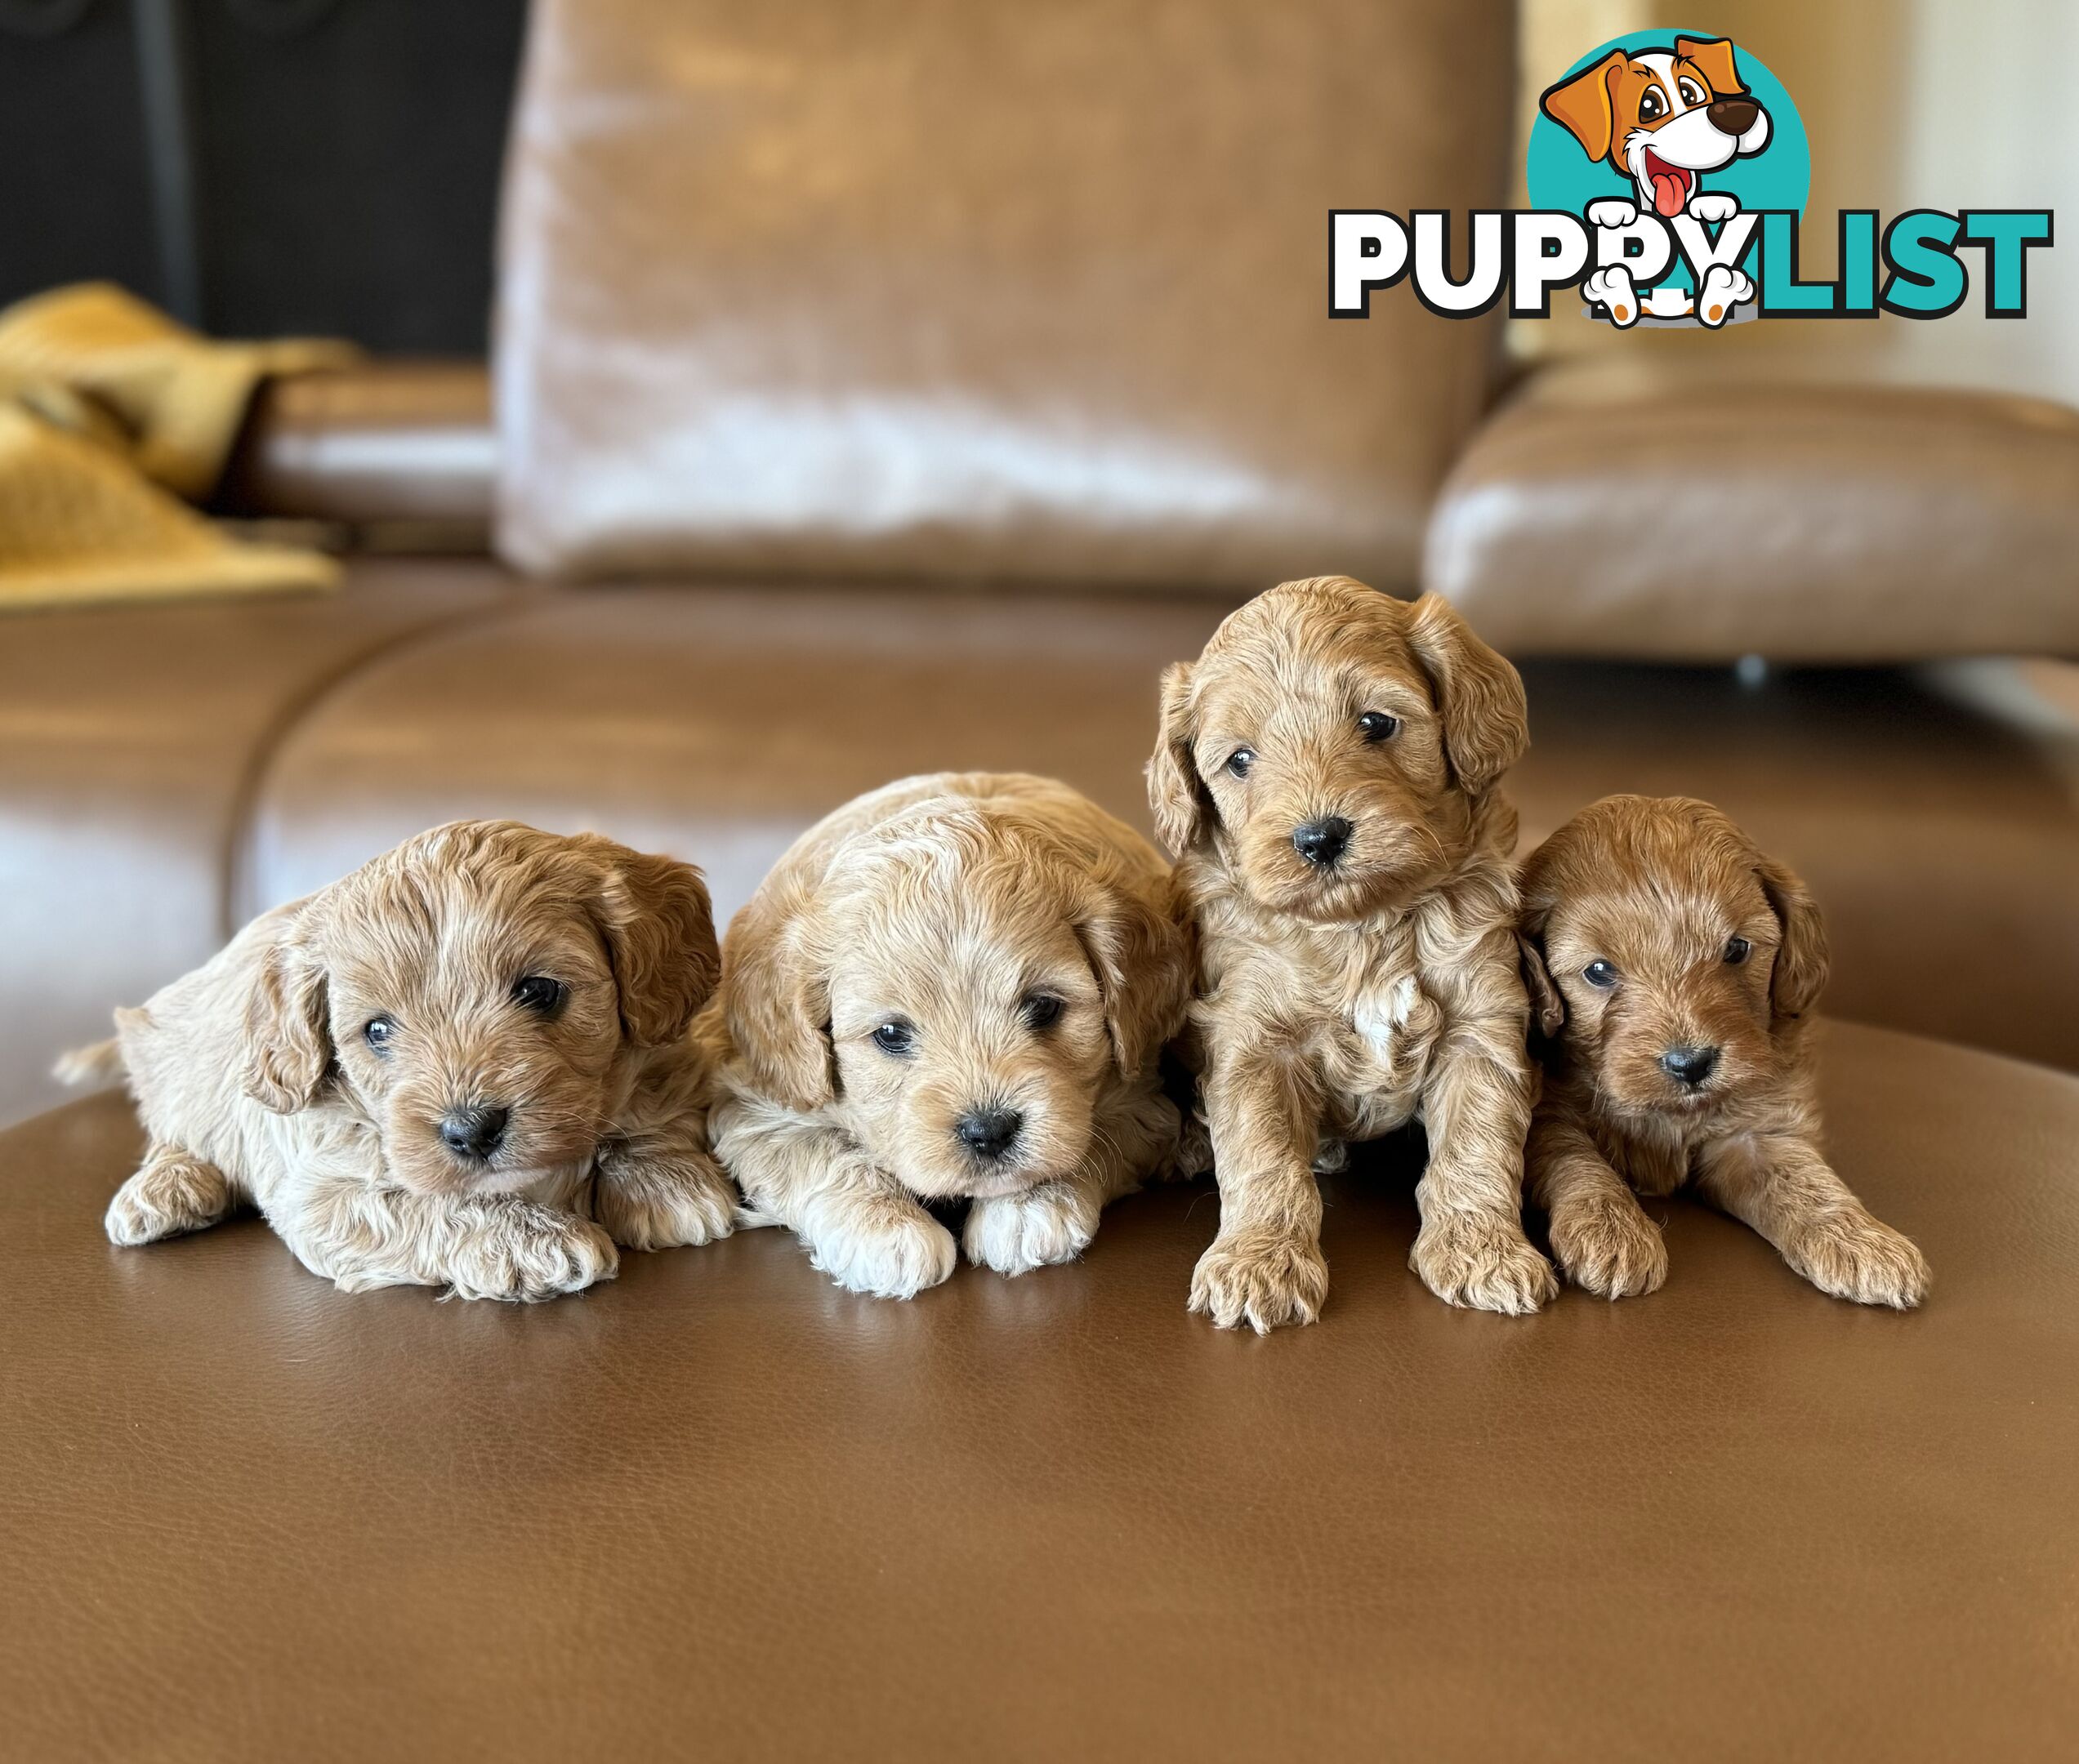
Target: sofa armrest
[
  {"x": 374, "y": 444},
  {"x": 1679, "y": 513}
]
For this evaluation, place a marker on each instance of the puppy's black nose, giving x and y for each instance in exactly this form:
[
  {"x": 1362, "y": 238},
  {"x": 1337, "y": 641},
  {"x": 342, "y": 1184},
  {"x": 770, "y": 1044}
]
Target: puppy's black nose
[
  {"x": 1321, "y": 842},
  {"x": 1732, "y": 116},
  {"x": 990, "y": 1132},
  {"x": 475, "y": 1133},
  {"x": 1689, "y": 1065}
]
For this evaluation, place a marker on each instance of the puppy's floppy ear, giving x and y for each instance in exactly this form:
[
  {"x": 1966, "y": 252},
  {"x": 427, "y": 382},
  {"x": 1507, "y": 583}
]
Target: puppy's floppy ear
[
  {"x": 776, "y": 997},
  {"x": 1801, "y": 961},
  {"x": 1140, "y": 949},
  {"x": 659, "y": 929},
  {"x": 1486, "y": 717},
  {"x": 288, "y": 1047},
  {"x": 1714, "y": 58},
  {"x": 1582, "y": 105},
  {"x": 1174, "y": 791},
  {"x": 1548, "y": 1010}
]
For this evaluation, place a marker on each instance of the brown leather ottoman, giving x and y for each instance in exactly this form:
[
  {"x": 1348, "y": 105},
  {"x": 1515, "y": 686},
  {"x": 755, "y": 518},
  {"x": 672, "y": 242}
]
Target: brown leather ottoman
[{"x": 721, "y": 1509}]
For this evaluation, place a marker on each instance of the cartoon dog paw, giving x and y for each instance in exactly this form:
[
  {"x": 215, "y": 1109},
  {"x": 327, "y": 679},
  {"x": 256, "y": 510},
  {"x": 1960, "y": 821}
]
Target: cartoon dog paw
[
  {"x": 1613, "y": 290},
  {"x": 1711, "y": 207},
  {"x": 1611, "y": 211},
  {"x": 1724, "y": 288}
]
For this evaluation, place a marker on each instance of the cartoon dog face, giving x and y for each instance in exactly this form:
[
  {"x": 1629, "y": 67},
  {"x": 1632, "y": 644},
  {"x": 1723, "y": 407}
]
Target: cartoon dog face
[
  {"x": 1665, "y": 954},
  {"x": 471, "y": 994},
  {"x": 1661, "y": 118}
]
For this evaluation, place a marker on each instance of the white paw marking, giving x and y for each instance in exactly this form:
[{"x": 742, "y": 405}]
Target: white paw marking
[
  {"x": 1611, "y": 211},
  {"x": 1021, "y": 1232},
  {"x": 1724, "y": 288},
  {"x": 1612, "y": 289},
  {"x": 1711, "y": 207},
  {"x": 890, "y": 1259}
]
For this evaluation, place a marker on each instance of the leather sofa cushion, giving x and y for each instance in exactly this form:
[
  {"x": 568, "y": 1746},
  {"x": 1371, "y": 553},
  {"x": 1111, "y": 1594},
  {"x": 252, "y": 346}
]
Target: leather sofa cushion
[
  {"x": 721, "y": 1508},
  {"x": 130, "y": 739},
  {"x": 1680, "y": 514},
  {"x": 1941, "y": 830},
  {"x": 975, "y": 288}
]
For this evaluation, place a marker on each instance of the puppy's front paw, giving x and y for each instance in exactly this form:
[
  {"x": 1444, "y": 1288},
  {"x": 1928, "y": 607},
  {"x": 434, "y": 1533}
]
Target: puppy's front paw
[
  {"x": 666, "y": 1204},
  {"x": 895, "y": 1255},
  {"x": 1263, "y": 1278},
  {"x": 1854, "y": 1256},
  {"x": 1711, "y": 207},
  {"x": 1612, "y": 1250},
  {"x": 1611, "y": 211},
  {"x": 1612, "y": 289},
  {"x": 529, "y": 1252},
  {"x": 1723, "y": 289},
  {"x": 1018, "y": 1233},
  {"x": 172, "y": 1193},
  {"x": 1483, "y": 1263}
]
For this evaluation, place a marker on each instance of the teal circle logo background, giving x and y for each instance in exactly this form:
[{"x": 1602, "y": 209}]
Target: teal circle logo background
[{"x": 1559, "y": 175}]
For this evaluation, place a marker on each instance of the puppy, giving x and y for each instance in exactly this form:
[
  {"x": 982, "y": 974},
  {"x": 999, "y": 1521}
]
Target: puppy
[
  {"x": 1326, "y": 775},
  {"x": 1673, "y": 968},
  {"x": 1662, "y": 119},
  {"x": 430, "y": 1072},
  {"x": 957, "y": 986}
]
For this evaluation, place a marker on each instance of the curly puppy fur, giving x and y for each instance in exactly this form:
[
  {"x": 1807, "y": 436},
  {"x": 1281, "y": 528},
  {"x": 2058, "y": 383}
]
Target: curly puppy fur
[
  {"x": 957, "y": 986},
  {"x": 258, "y": 1078},
  {"x": 1673, "y": 968},
  {"x": 1344, "y": 994}
]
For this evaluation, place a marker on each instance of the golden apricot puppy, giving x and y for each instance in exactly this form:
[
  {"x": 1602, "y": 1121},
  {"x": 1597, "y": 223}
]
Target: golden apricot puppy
[
  {"x": 956, "y": 987},
  {"x": 1673, "y": 968},
  {"x": 465, "y": 1065},
  {"x": 1327, "y": 776}
]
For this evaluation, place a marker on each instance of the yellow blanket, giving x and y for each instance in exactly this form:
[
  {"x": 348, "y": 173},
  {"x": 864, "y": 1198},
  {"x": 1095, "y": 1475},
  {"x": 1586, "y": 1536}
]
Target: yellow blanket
[{"x": 109, "y": 414}]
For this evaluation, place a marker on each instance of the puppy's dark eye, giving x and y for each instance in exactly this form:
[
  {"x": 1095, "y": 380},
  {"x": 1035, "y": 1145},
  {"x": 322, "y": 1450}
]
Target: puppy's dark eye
[
  {"x": 1650, "y": 107},
  {"x": 1692, "y": 92},
  {"x": 539, "y": 994},
  {"x": 1737, "y": 950},
  {"x": 1599, "y": 972},
  {"x": 378, "y": 1032},
  {"x": 1240, "y": 760},
  {"x": 894, "y": 1037},
  {"x": 1043, "y": 1011},
  {"x": 1376, "y": 726}
]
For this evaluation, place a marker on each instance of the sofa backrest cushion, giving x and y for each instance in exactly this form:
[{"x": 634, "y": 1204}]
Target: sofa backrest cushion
[{"x": 983, "y": 288}]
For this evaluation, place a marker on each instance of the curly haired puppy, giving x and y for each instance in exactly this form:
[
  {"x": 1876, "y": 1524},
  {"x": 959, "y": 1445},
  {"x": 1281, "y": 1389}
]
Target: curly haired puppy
[
  {"x": 1326, "y": 775},
  {"x": 1672, "y": 966},
  {"x": 430, "y": 1072},
  {"x": 954, "y": 986}
]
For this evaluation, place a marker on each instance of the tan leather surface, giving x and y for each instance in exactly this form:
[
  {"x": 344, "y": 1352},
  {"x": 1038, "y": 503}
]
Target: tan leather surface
[
  {"x": 1679, "y": 515},
  {"x": 129, "y": 739},
  {"x": 381, "y": 441},
  {"x": 976, "y": 288},
  {"x": 1941, "y": 830},
  {"x": 721, "y": 1509}
]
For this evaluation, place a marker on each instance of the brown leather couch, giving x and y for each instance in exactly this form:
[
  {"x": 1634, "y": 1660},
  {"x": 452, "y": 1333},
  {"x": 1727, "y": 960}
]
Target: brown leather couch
[{"x": 886, "y": 388}]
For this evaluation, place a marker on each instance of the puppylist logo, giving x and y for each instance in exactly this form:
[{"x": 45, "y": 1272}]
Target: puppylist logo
[{"x": 1668, "y": 174}]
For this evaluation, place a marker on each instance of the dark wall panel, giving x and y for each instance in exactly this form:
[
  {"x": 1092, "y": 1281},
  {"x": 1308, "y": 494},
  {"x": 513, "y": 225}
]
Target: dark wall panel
[{"x": 344, "y": 153}]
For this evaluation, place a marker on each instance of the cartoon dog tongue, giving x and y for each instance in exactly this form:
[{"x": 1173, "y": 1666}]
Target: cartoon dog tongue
[{"x": 1667, "y": 193}]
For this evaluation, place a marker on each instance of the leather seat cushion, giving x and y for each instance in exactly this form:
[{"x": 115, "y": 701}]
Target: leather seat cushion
[
  {"x": 1940, "y": 830},
  {"x": 720, "y": 1506},
  {"x": 931, "y": 288},
  {"x": 130, "y": 739},
  {"x": 1688, "y": 515}
]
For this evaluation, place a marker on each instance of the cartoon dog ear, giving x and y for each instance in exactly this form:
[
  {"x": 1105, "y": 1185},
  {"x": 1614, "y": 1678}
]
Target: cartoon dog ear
[
  {"x": 1138, "y": 947},
  {"x": 288, "y": 1046},
  {"x": 1801, "y": 960},
  {"x": 1175, "y": 791},
  {"x": 1486, "y": 717},
  {"x": 1548, "y": 1009},
  {"x": 659, "y": 928},
  {"x": 776, "y": 997},
  {"x": 1582, "y": 105},
  {"x": 1714, "y": 58}
]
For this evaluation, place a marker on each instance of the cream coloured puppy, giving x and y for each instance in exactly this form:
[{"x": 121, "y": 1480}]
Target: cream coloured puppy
[
  {"x": 465, "y": 1065},
  {"x": 957, "y": 987}
]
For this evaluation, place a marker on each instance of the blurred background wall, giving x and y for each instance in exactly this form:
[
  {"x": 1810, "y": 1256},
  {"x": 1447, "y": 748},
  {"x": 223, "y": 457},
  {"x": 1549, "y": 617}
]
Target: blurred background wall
[{"x": 330, "y": 166}]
